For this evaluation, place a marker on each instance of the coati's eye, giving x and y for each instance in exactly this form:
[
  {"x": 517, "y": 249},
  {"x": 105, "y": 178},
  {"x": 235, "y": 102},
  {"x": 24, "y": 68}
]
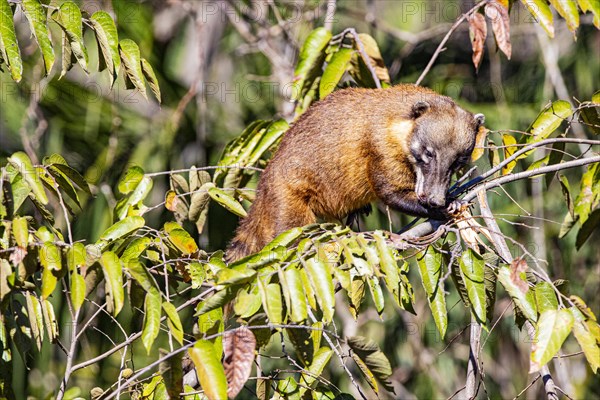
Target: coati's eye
[{"x": 428, "y": 153}]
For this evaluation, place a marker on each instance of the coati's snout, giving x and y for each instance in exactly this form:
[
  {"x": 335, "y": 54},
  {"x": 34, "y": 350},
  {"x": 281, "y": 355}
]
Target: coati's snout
[{"x": 439, "y": 147}]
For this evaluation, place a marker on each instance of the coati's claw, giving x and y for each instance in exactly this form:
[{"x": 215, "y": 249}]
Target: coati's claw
[{"x": 456, "y": 207}]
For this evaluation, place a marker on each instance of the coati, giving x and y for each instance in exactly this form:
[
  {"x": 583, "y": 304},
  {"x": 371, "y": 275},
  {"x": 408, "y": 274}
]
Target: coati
[{"x": 400, "y": 145}]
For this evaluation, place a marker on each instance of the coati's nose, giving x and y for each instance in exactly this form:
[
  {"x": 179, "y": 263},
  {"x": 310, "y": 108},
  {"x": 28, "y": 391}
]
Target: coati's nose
[{"x": 436, "y": 201}]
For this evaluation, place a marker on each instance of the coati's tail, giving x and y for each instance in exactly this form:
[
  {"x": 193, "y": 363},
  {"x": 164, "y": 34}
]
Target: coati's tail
[{"x": 251, "y": 235}]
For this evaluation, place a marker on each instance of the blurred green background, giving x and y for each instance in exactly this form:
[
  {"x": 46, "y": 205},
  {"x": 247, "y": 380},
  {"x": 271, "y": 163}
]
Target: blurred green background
[{"x": 224, "y": 64}]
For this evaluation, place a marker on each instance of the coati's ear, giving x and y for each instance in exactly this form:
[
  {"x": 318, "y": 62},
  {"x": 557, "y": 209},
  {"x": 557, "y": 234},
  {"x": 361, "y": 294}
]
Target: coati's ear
[
  {"x": 480, "y": 119},
  {"x": 418, "y": 109}
]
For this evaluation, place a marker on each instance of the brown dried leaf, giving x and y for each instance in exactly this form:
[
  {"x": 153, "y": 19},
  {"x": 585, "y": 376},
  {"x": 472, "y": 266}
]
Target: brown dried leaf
[
  {"x": 478, "y": 33},
  {"x": 238, "y": 356},
  {"x": 517, "y": 266},
  {"x": 498, "y": 15}
]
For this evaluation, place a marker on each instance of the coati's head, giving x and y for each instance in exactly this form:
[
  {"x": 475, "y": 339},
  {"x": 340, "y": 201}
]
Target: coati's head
[{"x": 442, "y": 142}]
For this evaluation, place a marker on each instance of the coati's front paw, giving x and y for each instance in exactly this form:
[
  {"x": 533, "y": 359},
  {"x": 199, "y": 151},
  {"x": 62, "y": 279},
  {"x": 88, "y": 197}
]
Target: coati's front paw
[{"x": 456, "y": 207}]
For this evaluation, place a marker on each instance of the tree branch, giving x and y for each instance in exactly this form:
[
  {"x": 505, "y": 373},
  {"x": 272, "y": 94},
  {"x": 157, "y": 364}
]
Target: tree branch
[{"x": 440, "y": 47}]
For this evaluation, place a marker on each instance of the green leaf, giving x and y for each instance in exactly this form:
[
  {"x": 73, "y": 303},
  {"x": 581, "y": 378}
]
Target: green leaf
[
  {"x": 122, "y": 229},
  {"x": 513, "y": 283},
  {"x": 9, "y": 49},
  {"x": 374, "y": 359},
  {"x": 209, "y": 369},
  {"x": 376, "y": 293},
  {"x": 472, "y": 270},
  {"x": 542, "y": 13},
  {"x": 545, "y": 297},
  {"x": 334, "y": 71},
  {"x": 430, "y": 268},
  {"x": 272, "y": 134},
  {"x": 217, "y": 300},
  {"x": 138, "y": 271},
  {"x": 311, "y": 57},
  {"x": 509, "y": 143},
  {"x": 583, "y": 331},
  {"x": 135, "y": 249},
  {"x": 151, "y": 326},
  {"x": 298, "y": 306},
  {"x": 36, "y": 15},
  {"x": 319, "y": 274},
  {"x": 594, "y": 7},
  {"x": 173, "y": 321},
  {"x": 212, "y": 323},
  {"x": 23, "y": 165},
  {"x": 77, "y": 290},
  {"x": 272, "y": 302},
  {"x": 551, "y": 330},
  {"x": 51, "y": 257},
  {"x": 568, "y": 10},
  {"x": 389, "y": 267},
  {"x": 228, "y": 202},
  {"x": 49, "y": 282},
  {"x": 20, "y": 231},
  {"x": 549, "y": 120},
  {"x": 586, "y": 198},
  {"x": 68, "y": 16},
  {"x": 36, "y": 319},
  {"x": 108, "y": 43},
  {"x": 133, "y": 201},
  {"x": 231, "y": 276},
  {"x": 113, "y": 274},
  {"x": 315, "y": 369},
  {"x": 130, "y": 56},
  {"x": 247, "y": 303},
  {"x": 150, "y": 76},
  {"x": 131, "y": 180}
]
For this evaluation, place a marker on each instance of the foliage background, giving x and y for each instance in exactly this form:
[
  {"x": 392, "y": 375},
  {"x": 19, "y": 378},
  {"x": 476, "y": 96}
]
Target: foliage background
[{"x": 200, "y": 48}]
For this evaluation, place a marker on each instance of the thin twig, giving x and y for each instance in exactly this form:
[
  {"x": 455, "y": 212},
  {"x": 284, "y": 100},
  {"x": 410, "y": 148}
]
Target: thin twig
[{"x": 440, "y": 48}]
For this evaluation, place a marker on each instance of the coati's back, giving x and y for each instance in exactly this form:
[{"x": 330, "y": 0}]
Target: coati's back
[{"x": 342, "y": 153}]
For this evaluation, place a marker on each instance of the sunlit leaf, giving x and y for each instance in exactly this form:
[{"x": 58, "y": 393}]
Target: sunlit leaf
[
  {"x": 315, "y": 369},
  {"x": 123, "y": 228},
  {"x": 584, "y": 333},
  {"x": 551, "y": 330},
  {"x": 173, "y": 321},
  {"x": 36, "y": 15},
  {"x": 113, "y": 275},
  {"x": 545, "y": 296},
  {"x": 509, "y": 142},
  {"x": 311, "y": 57},
  {"x": 568, "y": 10},
  {"x": 549, "y": 120},
  {"x": 228, "y": 202},
  {"x": 23, "y": 165},
  {"x": 430, "y": 268},
  {"x": 472, "y": 271},
  {"x": 68, "y": 16},
  {"x": 319, "y": 274},
  {"x": 334, "y": 71},
  {"x": 131, "y": 59},
  {"x": 517, "y": 287},
  {"x": 209, "y": 369},
  {"x": 150, "y": 76},
  {"x": 108, "y": 43},
  {"x": 151, "y": 325},
  {"x": 9, "y": 49},
  {"x": 542, "y": 13}
]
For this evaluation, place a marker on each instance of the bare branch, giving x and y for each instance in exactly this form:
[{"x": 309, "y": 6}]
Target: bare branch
[{"x": 440, "y": 48}]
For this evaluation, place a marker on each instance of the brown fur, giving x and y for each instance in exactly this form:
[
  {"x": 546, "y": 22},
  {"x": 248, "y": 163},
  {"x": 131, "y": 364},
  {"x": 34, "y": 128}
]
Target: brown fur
[{"x": 346, "y": 151}]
